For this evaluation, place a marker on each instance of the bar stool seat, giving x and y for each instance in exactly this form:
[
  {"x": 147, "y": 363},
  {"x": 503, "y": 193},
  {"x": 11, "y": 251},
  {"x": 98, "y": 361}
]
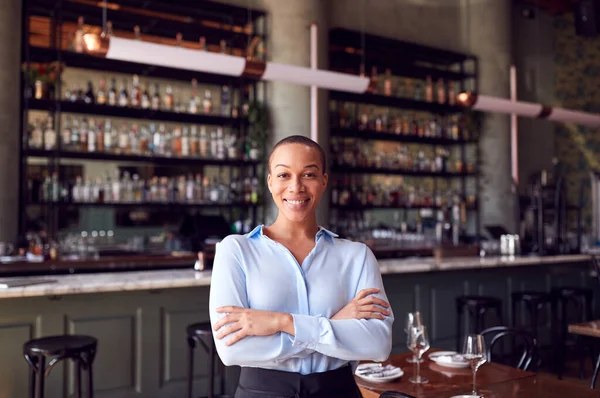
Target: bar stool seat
[
  {"x": 79, "y": 348},
  {"x": 477, "y": 307},
  {"x": 201, "y": 333}
]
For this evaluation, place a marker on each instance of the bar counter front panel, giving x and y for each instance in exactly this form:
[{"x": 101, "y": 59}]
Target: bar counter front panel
[{"x": 140, "y": 318}]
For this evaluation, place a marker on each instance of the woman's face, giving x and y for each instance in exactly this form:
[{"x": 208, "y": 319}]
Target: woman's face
[{"x": 296, "y": 181}]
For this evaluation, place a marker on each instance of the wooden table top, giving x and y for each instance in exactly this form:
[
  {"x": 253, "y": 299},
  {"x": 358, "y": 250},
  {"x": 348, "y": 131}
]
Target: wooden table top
[
  {"x": 442, "y": 381},
  {"x": 591, "y": 329}
]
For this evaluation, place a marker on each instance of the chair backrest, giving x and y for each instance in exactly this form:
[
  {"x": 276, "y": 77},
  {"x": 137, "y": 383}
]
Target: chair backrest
[
  {"x": 394, "y": 394},
  {"x": 520, "y": 341}
]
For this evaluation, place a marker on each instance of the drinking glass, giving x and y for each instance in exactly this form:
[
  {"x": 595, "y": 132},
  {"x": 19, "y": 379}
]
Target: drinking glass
[
  {"x": 474, "y": 352},
  {"x": 418, "y": 344},
  {"x": 412, "y": 320}
]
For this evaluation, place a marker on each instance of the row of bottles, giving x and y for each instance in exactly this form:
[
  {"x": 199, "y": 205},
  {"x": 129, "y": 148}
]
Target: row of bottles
[
  {"x": 395, "y": 156},
  {"x": 139, "y": 96},
  {"x": 363, "y": 117},
  {"x": 362, "y": 191},
  {"x": 440, "y": 91},
  {"x": 128, "y": 188},
  {"x": 94, "y": 135}
]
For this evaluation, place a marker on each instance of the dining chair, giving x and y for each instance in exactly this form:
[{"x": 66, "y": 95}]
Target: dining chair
[
  {"x": 520, "y": 340},
  {"x": 394, "y": 394}
]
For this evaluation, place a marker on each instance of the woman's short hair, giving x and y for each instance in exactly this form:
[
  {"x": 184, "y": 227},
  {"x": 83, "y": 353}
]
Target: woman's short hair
[{"x": 300, "y": 139}]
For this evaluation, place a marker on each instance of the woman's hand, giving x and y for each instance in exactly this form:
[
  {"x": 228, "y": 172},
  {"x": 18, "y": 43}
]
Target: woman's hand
[
  {"x": 364, "y": 306},
  {"x": 248, "y": 322}
]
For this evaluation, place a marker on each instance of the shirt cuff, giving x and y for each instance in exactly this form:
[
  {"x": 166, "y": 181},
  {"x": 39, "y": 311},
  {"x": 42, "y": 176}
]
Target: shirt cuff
[{"x": 306, "y": 330}]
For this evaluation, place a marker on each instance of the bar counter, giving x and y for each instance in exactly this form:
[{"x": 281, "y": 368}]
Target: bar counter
[{"x": 140, "y": 317}]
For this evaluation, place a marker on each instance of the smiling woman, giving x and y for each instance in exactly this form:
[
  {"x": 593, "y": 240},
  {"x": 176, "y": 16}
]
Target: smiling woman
[{"x": 292, "y": 304}]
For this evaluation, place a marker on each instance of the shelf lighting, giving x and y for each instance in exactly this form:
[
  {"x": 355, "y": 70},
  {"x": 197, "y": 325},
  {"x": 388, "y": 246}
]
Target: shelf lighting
[
  {"x": 501, "y": 105},
  {"x": 209, "y": 62}
]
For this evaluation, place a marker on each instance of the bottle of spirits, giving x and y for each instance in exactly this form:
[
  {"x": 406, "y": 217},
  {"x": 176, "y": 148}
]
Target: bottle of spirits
[
  {"x": 75, "y": 135},
  {"x": 428, "y": 89},
  {"x": 374, "y": 80},
  {"x": 49, "y": 135},
  {"x": 451, "y": 93},
  {"x": 89, "y": 97},
  {"x": 202, "y": 43},
  {"x": 86, "y": 192},
  {"x": 36, "y": 137},
  {"x": 108, "y": 137},
  {"x": 387, "y": 83},
  {"x": 155, "y": 105},
  {"x": 193, "y": 106},
  {"x": 178, "y": 39},
  {"x": 66, "y": 134},
  {"x": 136, "y": 94},
  {"x": 185, "y": 141},
  {"x": 109, "y": 29},
  {"x": 137, "y": 34},
  {"x": 145, "y": 98},
  {"x": 213, "y": 144},
  {"x": 91, "y": 136},
  {"x": 123, "y": 97},
  {"x": 225, "y": 101},
  {"x": 207, "y": 102},
  {"x": 134, "y": 140},
  {"x": 168, "y": 105},
  {"x": 194, "y": 142},
  {"x": 203, "y": 142},
  {"x": 101, "y": 96},
  {"x": 116, "y": 187},
  {"x": 176, "y": 141},
  {"x": 112, "y": 93},
  {"x": 123, "y": 139},
  {"x": 144, "y": 141},
  {"x": 99, "y": 138},
  {"x": 220, "y": 145},
  {"x": 79, "y": 43},
  {"x": 254, "y": 192},
  {"x": 223, "y": 47},
  {"x": 441, "y": 91}
]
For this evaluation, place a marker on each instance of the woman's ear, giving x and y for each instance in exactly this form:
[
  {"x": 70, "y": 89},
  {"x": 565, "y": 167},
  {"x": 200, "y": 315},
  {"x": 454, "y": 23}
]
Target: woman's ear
[{"x": 269, "y": 182}]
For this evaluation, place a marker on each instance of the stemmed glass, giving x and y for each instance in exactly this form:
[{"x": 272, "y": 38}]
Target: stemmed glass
[
  {"x": 474, "y": 352},
  {"x": 418, "y": 344},
  {"x": 413, "y": 320}
]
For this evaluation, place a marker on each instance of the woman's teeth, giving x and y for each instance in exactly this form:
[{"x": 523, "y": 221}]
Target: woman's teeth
[{"x": 297, "y": 202}]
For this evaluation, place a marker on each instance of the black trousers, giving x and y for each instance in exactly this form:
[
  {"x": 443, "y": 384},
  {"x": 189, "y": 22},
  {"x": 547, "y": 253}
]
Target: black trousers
[{"x": 266, "y": 383}]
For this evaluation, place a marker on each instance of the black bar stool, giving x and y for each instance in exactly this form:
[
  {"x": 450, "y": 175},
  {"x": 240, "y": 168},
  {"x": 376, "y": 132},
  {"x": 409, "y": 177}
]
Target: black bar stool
[
  {"x": 477, "y": 307},
  {"x": 534, "y": 303},
  {"x": 201, "y": 333},
  {"x": 79, "y": 348},
  {"x": 581, "y": 299}
]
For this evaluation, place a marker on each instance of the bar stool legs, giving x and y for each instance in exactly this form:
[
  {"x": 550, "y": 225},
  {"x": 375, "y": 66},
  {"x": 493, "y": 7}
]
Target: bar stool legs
[{"x": 595, "y": 375}]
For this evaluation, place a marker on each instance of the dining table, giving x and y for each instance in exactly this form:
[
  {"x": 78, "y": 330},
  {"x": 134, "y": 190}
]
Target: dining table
[
  {"x": 589, "y": 329},
  {"x": 492, "y": 380}
]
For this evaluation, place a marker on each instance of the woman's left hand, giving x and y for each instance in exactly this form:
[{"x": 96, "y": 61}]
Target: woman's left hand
[{"x": 248, "y": 322}]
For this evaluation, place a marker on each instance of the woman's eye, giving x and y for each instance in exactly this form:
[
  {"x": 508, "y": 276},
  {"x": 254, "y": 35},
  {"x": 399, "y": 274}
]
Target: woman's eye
[
  {"x": 310, "y": 175},
  {"x": 282, "y": 175}
]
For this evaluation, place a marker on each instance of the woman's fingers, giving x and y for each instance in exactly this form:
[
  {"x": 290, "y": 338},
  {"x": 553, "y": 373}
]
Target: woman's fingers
[
  {"x": 365, "y": 292},
  {"x": 228, "y": 329},
  {"x": 236, "y": 337},
  {"x": 230, "y": 308},
  {"x": 374, "y": 308},
  {"x": 374, "y": 300},
  {"x": 371, "y": 315},
  {"x": 225, "y": 320}
]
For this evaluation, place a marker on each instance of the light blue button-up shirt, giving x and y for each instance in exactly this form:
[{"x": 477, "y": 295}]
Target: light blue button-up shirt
[{"x": 254, "y": 271}]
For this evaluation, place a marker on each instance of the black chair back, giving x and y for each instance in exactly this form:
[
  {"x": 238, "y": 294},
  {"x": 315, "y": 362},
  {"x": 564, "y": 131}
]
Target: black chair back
[
  {"x": 520, "y": 341},
  {"x": 394, "y": 394}
]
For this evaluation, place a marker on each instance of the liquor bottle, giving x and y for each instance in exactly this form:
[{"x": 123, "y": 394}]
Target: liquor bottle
[
  {"x": 136, "y": 94},
  {"x": 109, "y": 29},
  {"x": 36, "y": 137},
  {"x": 86, "y": 191},
  {"x": 91, "y": 136},
  {"x": 223, "y": 47},
  {"x": 137, "y": 35},
  {"x": 123, "y": 139},
  {"x": 101, "y": 95},
  {"x": 107, "y": 189},
  {"x": 144, "y": 141},
  {"x": 185, "y": 142},
  {"x": 75, "y": 135},
  {"x": 176, "y": 141},
  {"x": 146, "y": 102},
  {"x": 199, "y": 189},
  {"x": 168, "y": 100},
  {"x": 429, "y": 89},
  {"x": 138, "y": 190},
  {"x": 123, "y": 97},
  {"x": 99, "y": 138},
  {"x": 418, "y": 93},
  {"x": 178, "y": 39},
  {"x": 108, "y": 137},
  {"x": 112, "y": 93},
  {"x": 207, "y": 102},
  {"x": 134, "y": 140},
  {"x": 161, "y": 136},
  {"x": 387, "y": 83},
  {"x": 89, "y": 97},
  {"x": 374, "y": 80},
  {"x": 79, "y": 43},
  {"x": 213, "y": 144},
  {"x": 220, "y": 144},
  {"x": 254, "y": 192},
  {"x": 49, "y": 135},
  {"x": 441, "y": 91},
  {"x": 116, "y": 187},
  {"x": 202, "y": 43},
  {"x": 451, "y": 93},
  {"x": 155, "y": 105},
  {"x": 225, "y": 102},
  {"x": 66, "y": 134},
  {"x": 194, "y": 142},
  {"x": 203, "y": 142},
  {"x": 193, "y": 105}
]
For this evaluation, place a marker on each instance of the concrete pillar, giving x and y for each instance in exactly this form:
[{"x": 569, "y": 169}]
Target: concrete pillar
[
  {"x": 491, "y": 43},
  {"x": 10, "y": 55}
]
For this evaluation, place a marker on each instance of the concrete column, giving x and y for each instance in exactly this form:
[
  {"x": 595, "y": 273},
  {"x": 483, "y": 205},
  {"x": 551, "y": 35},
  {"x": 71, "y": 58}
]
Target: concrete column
[
  {"x": 491, "y": 43},
  {"x": 10, "y": 55}
]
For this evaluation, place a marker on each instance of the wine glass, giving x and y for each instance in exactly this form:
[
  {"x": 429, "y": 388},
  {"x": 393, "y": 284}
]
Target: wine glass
[
  {"x": 418, "y": 344},
  {"x": 412, "y": 320},
  {"x": 474, "y": 352}
]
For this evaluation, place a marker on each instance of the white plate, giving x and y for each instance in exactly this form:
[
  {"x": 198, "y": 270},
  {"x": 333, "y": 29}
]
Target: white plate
[
  {"x": 443, "y": 358},
  {"x": 392, "y": 374}
]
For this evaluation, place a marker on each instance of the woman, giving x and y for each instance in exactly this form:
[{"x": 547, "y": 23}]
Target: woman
[{"x": 292, "y": 304}]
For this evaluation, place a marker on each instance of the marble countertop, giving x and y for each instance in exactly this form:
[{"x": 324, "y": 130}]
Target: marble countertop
[{"x": 166, "y": 279}]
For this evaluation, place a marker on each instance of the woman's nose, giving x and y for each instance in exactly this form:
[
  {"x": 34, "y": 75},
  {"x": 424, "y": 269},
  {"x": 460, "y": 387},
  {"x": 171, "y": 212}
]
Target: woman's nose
[{"x": 296, "y": 185}]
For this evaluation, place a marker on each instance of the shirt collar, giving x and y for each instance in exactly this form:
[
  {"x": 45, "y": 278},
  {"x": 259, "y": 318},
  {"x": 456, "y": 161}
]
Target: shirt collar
[{"x": 322, "y": 231}]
